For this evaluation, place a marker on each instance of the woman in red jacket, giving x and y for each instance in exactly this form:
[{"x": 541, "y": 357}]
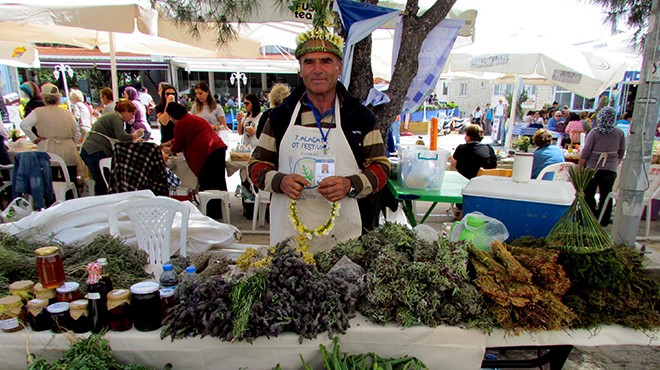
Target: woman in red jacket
[{"x": 203, "y": 149}]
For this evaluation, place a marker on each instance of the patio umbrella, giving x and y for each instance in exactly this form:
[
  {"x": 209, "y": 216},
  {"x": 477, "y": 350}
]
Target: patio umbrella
[
  {"x": 19, "y": 54},
  {"x": 584, "y": 72}
]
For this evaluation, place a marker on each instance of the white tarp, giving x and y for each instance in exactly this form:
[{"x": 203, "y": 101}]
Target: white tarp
[
  {"x": 81, "y": 220},
  {"x": 19, "y": 54}
]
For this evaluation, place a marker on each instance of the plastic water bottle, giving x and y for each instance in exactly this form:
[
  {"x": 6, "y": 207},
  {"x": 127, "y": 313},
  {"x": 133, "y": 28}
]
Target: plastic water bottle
[
  {"x": 168, "y": 278},
  {"x": 191, "y": 274}
]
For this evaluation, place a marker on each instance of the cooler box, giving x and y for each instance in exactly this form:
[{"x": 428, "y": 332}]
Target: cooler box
[{"x": 531, "y": 208}]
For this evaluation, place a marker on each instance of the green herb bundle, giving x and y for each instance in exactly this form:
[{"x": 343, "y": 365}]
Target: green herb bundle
[
  {"x": 243, "y": 294},
  {"x": 578, "y": 229},
  {"x": 413, "y": 282},
  {"x": 90, "y": 353}
]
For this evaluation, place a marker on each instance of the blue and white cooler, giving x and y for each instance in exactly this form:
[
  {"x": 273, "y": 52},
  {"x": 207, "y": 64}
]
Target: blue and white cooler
[{"x": 525, "y": 208}]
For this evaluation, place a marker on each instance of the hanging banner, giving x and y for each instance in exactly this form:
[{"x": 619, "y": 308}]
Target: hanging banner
[{"x": 432, "y": 58}]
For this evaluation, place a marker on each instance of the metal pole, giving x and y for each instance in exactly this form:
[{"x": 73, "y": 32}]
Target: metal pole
[
  {"x": 512, "y": 118},
  {"x": 113, "y": 66},
  {"x": 634, "y": 177}
]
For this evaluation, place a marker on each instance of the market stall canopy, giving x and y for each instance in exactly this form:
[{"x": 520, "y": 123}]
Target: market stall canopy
[
  {"x": 233, "y": 65},
  {"x": 19, "y": 54}
]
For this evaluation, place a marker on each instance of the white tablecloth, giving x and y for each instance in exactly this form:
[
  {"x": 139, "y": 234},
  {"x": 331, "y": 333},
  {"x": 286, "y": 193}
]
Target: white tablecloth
[{"x": 442, "y": 347}]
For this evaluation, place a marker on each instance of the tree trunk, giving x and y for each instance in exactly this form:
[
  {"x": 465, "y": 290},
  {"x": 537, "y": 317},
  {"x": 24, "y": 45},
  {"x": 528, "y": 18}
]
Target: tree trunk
[
  {"x": 362, "y": 78},
  {"x": 415, "y": 30}
]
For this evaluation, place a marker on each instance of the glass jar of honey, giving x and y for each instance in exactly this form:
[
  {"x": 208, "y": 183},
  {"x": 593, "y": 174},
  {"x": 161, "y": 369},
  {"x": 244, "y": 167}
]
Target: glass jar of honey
[
  {"x": 12, "y": 314},
  {"x": 80, "y": 320},
  {"x": 49, "y": 267},
  {"x": 119, "y": 310},
  {"x": 69, "y": 292},
  {"x": 23, "y": 289},
  {"x": 60, "y": 317},
  {"x": 37, "y": 316},
  {"x": 46, "y": 294}
]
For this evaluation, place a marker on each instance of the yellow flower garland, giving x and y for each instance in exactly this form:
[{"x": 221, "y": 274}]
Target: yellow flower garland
[{"x": 303, "y": 230}]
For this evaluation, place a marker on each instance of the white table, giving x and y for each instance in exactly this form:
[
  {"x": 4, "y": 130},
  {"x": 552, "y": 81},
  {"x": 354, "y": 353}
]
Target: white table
[{"x": 441, "y": 347}]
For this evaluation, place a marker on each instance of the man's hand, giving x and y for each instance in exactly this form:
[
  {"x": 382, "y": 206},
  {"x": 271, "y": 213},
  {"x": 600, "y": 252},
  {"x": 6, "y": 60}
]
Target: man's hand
[
  {"x": 334, "y": 188},
  {"x": 292, "y": 185}
]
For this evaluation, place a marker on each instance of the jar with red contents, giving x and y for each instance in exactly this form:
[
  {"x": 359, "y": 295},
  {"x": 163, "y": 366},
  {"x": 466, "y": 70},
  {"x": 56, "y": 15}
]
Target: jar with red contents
[
  {"x": 69, "y": 292},
  {"x": 37, "y": 316},
  {"x": 60, "y": 317},
  {"x": 119, "y": 310}
]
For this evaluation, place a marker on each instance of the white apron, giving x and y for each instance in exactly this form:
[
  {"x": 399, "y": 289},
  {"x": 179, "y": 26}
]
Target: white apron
[{"x": 298, "y": 149}]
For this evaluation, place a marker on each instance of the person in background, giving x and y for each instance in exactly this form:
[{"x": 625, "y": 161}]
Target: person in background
[
  {"x": 476, "y": 116},
  {"x": 206, "y": 107},
  {"x": 168, "y": 95},
  {"x": 98, "y": 144},
  {"x": 555, "y": 120},
  {"x": 574, "y": 128},
  {"x": 57, "y": 128},
  {"x": 529, "y": 118},
  {"x": 545, "y": 153},
  {"x": 185, "y": 100},
  {"x": 107, "y": 99},
  {"x": 140, "y": 121},
  {"x": 499, "y": 112},
  {"x": 146, "y": 99},
  {"x": 203, "y": 148},
  {"x": 81, "y": 113},
  {"x": 488, "y": 119},
  {"x": 34, "y": 94},
  {"x": 624, "y": 123},
  {"x": 247, "y": 126},
  {"x": 603, "y": 151},
  {"x": 537, "y": 120},
  {"x": 468, "y": 158},
  {"x": 231, "y": 103},
  {"x": 277, "y": 95},
  {"x": 586, "y": 121},
  {"x": 554, "y": 107}
]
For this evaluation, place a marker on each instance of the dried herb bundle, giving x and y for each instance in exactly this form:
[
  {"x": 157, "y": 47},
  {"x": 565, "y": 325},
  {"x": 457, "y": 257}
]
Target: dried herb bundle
[
  {"x": 410, "y": 281},
  {"x": 578, "y": 230},
  {"x": 17, "y": 261},
  {"x": 612, "y": 287},
  {"x": 512, "y": 297}
]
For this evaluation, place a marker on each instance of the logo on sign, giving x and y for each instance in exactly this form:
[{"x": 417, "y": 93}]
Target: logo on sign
[
  {"x": 566, "y": 76},
  {"x": 489, "y": 61},
  {"x": 302, "y": 10}
]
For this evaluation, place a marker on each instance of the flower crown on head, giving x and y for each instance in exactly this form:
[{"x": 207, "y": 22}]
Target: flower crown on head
[{"x": 316, "y": 40}]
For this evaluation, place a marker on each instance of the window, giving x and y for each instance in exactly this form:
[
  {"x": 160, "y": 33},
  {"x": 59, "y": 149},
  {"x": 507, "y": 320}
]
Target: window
[
  {"x": 574, "y": 101},
  {"x": 503, "y": 89},
  {"x": 531, "y": 89},
  {"x": 444, "y": 88},
  {"x": 463, "y": 89}
]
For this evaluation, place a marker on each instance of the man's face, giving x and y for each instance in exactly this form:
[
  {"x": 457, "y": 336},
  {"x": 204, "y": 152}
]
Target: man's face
[
  {"x": 558, "y": 116},
  {"x": 319, "y": 71}
]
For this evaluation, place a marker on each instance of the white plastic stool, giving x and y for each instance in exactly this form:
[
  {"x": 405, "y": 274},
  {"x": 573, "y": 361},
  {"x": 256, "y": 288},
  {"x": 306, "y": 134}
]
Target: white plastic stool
[
  {"x": 207, "y": 195},
  {"x": 261, "y": 201}
]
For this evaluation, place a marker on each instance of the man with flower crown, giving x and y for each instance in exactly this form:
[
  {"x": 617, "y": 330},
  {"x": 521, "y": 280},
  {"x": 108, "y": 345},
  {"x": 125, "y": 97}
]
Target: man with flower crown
[{"x": 320, "y": 127}]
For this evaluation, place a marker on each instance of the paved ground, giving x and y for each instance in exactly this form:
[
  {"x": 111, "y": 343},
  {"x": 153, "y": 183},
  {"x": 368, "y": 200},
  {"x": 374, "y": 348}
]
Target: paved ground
[{"x": 581, "y": 358}]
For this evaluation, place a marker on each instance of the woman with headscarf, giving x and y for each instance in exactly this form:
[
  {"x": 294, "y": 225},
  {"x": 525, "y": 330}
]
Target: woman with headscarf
[
  {"x": 603, "y": 150},
  {"x": 34, "y": 94},
  {"x": 140, "y": 121},
  {"x": 167, "y": 95},
  {"x": 203, "y": 149},
  {"x": 247, "y": 126},
  {"x": 206, "y": 107},
  {"x": 58, "y": 130}
]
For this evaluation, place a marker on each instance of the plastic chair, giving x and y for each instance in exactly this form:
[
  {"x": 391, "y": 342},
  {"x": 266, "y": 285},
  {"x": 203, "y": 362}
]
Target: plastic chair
[
  {"x": 152, "y": 222},
  {"x": 560, "y": 171},
  {"x": 208, "y": 195},
  {"x": 234, "y": 121},
  {"x": 261, "y": 202},
  {"x": 105, "y": 163},
  {"x": 61, "y": 188},
  {"x": 504, "y": 172},
  {"x": 649, "y": 195}
]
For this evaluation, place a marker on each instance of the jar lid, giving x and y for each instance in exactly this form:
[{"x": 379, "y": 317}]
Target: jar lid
[
  {"x": 21, "y": 285},
  {"x": 46, "y": 251},
  {"x": 58, "y": 307},
  {"x": 118, "y": 294},
  {"x": 144, "y": 287},
  {"x": 37, "y": 303},
  {"x": 102, "y": 261},
  {"x": 40, "y": 288},
  {"x": 79, "y": 304},
  {"x": 11, "y": 301},
  {"x": 166, "y": 292},
  {"x": 68, "y": 287}
]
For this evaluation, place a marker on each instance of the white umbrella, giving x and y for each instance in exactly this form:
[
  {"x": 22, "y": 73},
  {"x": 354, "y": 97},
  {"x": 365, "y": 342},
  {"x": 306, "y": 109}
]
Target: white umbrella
[
  {"x": 19, "y": 54},
  {"x": 584, "y": 72}
]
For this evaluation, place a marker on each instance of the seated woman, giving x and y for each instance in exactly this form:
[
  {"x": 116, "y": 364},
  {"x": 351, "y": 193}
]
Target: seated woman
[
  {"x": 57, "y": 128},
  {"x": 203, "y": 149},
  {"x": 468, "y": 158},
  {"x": 545, "y": 154},
  {"x": 99, "y": 143},
  {"x": 574, "y": 128},
  {"x": 537, "y": 120}
]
